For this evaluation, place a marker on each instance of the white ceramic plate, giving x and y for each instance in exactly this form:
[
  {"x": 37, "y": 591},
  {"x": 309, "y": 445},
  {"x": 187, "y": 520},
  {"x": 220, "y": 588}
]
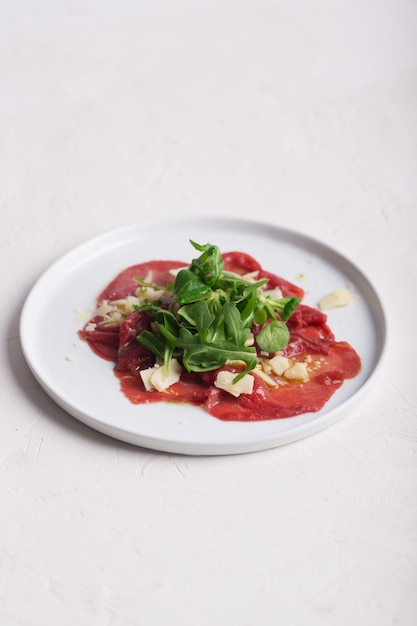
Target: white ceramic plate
[{"x": 85, "y": 386}]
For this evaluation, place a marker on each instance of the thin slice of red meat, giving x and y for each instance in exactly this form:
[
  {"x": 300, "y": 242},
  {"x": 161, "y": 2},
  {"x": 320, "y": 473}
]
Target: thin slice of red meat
[
  {"x": 103, "y": 339},
  {"x": 331, "y": 362},
  {"x": 125, "y": 284},
  {"x": 132, "y": 356}
]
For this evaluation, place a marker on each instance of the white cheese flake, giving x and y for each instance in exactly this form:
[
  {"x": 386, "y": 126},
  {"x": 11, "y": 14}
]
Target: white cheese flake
[
  {"x": 150, "y": 294},
  {"x": 104, "y": 309},
  {"x": 265, "y": 377},
  {"x": 251, "y": 277},
  {"x": 275, "y": 294},
  {"x": 279, "y": 364},
  {"x": 298, "y": 371},
  {"x": 146, "y": 378},
  {"x": 224, "y": 380},
  {"x": 337, "y": 298},
  {"x": 264, "y": 364},
  {"x": 155, "y": 377}
]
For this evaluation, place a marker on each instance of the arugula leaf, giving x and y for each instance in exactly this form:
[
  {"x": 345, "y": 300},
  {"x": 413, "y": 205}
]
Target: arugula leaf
[
  {"x": 246, "y": 307},
  {"x": 198, "y": 315},
  {"x": 204, "y": 358},
  {"x": 163, "y": 341},
  {"x": 153, "y": 343},
  {"x": 209, "y": 265},
  {"x": 189, "y": 287},
  {"x": 233, "y": 324}
]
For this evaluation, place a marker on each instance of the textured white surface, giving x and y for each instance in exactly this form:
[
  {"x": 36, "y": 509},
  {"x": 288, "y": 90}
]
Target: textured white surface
[{"x": 299, "y": 113}]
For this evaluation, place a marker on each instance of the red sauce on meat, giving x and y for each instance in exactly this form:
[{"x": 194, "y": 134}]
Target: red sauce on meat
[{"x": 331, "y": 362}]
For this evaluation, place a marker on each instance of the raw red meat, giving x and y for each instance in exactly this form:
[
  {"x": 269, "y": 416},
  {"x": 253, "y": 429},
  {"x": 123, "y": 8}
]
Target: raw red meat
[{"x": 310, "y": 337}]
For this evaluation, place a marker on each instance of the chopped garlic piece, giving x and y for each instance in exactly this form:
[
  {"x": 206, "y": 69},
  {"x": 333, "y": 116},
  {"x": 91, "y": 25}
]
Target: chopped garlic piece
[
  {"x": 224, "y": 380},
  {"x": 298, "y": 371},
  {"x": 154, "y": 377},
  {"x": 279, "y": 364},
  {"x": 337, "y": 298}
]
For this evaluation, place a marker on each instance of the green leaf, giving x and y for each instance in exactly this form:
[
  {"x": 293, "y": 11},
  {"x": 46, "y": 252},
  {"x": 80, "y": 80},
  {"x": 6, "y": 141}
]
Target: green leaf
[
  {"x": 152, "y": 342},
  {"x": 273, "y": 337},
  {"x": 213, "y": 315},
  {"x": 260, "y": 315},
  {"x": 187, "y": 338},
  {"x": 197, "y": 314},
  {"x": 203, "y": 358},
  {"x": 166, "y": 332},
  {"x": 235, "y": 331},
  {"x": 189, "y": 287},
  {"x": 286, "y": 306},
  {"x": 209, "y": 265},
  {"x": 246, "y": 306}
]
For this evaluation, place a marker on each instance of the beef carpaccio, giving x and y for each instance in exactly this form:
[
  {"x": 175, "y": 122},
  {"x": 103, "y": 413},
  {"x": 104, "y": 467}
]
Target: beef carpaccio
[{"x": 298, "y": 378}]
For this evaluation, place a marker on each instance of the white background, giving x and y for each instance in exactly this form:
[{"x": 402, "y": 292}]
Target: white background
[{"x": 294, "y": 112}]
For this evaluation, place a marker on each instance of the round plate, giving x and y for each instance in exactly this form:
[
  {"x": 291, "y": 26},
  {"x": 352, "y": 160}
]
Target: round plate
[{"x": 85, "y": 386}]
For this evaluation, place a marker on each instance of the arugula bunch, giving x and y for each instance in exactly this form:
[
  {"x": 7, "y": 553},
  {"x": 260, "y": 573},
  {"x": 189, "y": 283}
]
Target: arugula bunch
[{"x": 213, "y": 316}]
